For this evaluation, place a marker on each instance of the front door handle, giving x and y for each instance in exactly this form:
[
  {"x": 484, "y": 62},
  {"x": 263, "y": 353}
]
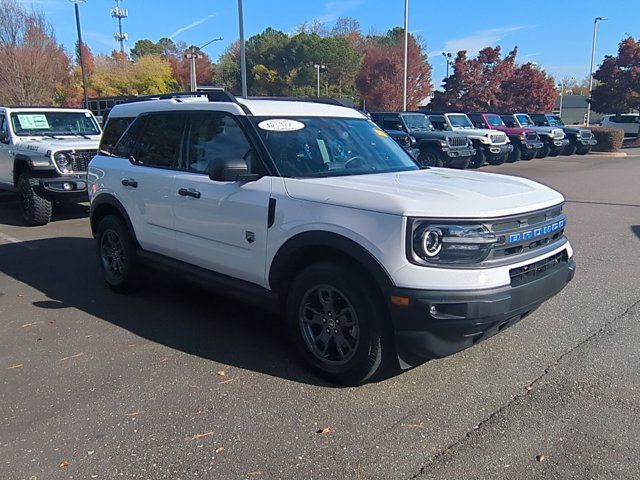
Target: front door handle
[
  {"x": 189, "y": 192},
  {"x": 129, "y": 182}
]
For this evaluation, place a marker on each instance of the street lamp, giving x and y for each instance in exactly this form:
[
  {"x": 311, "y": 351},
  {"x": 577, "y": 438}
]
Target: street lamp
[
  {"x": 243, "y": 53},
  {"x": 447, "y": 56},
  {"x": 192, "y": 55},
  {"x": 593, "y": 59},
  {"x": 561, "y": 86},
  {"x": 80, "y": 56},
  {"x": 406, "y": 55},
  {"x": 319, "y": 66}
]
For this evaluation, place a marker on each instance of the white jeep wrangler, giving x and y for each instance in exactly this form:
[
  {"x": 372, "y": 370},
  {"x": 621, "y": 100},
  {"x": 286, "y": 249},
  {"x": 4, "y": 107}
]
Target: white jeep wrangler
[
  {"x": 44, "y": 153},
  {"x": 312, "y": 209}
]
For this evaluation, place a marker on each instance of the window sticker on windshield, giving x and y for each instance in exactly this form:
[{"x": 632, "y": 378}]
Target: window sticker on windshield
[
  {"x": 380, "y": 132},
  {"x": 33, "y": 121},
  {"x": 280, "y": 125}
]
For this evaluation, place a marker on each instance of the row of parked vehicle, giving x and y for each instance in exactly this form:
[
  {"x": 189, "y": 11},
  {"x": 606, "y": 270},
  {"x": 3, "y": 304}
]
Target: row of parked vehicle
[{"x": 459, "y": 140}]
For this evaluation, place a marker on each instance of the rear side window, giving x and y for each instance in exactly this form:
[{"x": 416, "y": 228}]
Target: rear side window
[
  {"x": 125, "y": 146},
  {"x": 113, "y": 130}
]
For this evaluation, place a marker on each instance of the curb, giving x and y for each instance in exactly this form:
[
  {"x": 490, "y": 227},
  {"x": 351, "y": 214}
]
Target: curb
[{"x": 609, "y": 154}]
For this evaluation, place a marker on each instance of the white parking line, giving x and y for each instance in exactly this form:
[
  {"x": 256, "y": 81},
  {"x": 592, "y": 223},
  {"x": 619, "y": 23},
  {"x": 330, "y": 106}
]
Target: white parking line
[{"x": 17, "y": 241}]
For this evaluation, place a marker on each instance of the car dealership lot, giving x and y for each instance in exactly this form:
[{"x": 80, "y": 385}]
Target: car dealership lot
[{"x": 174, "y": 382}]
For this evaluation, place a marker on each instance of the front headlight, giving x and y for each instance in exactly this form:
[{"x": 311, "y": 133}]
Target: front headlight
[
  {"x": 412, "y": 140},
  {"x": 63, "y": 161},
  {"x": 550, "y": 134},
  {"x": 485, "y": 139},
  {"x": 443, "y": 243},
  {"x": 522, "y": 136}
]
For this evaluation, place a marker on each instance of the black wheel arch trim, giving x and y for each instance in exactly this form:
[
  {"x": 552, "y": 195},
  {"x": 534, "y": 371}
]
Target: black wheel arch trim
[
  {"x": 106, "y": 199},
  {"x": 297, "y": 244}
]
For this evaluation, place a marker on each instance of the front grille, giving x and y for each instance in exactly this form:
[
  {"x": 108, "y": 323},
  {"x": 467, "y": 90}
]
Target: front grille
[
  {"x": 498, "y": 138},
  {"x": 536, "y": 270},
  {"x": 458, "y": 141},
  {"x": 80, "y": 159},
  {"x": 586, "y": 134},
  {"x": 531, "y": 136},
  {"x": 558, "y": 134}
]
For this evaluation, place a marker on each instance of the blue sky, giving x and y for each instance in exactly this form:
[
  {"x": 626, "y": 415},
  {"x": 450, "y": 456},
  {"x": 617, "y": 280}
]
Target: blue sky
[{"x": 554, "y": 34}]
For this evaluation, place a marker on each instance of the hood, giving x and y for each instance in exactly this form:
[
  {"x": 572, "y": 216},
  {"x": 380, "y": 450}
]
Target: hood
[
  {"x": 434, "y": 192},
  {"x": 420, "y": 134},
  {"x": 511, "y": 130},
  {"x": 44, "y": 144}
]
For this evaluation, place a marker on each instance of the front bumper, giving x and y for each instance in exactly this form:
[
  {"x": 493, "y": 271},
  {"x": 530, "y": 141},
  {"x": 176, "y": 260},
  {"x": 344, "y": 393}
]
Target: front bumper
[
  {"x": 587, "y": 142},
  {"x": 463, "y": 318},
  {"x": 498, "y": 150},
  {"x": 66, "y": 187},
  {"x": 460, "y": 152},
  {"x": 559, "y": 144},
  {"x": 532, "y": 145}
]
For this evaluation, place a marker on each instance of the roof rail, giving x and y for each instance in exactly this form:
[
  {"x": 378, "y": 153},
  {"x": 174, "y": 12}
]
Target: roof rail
[
  {"x": 325, "y": 100},
  {"x": 213, "y": 95}
]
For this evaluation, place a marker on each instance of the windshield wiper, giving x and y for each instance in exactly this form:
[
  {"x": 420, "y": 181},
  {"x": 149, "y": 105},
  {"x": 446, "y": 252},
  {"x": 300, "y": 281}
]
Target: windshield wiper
[{"x": 50, "y": 135}]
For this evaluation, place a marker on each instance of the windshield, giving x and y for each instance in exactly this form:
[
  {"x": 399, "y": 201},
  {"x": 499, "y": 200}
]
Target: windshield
[
  {"x": 494, "y": 121},
  {"x": 439, "y": 122},
  {"x": 460, "y": 121},
  {"x": 326, "y": 146},
  {"x": 53, "y": 123},
  {"x": 524, "y": 120},
  {"x": 555, "y": 121},
  {"x": 417, "y": 121}
]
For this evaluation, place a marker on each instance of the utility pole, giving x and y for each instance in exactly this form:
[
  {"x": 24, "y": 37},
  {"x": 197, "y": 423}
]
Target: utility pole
[
  {"x": 447, "y": 57},
  {"x": 406, "y": 55},
  {"x": 318, "y": 66},
  {"x": 243, "y": 53},
  {"x": 593, "y": 60},
  {"x": 561, "y": 85},
  {"x": 80, "y": 54},
  {"x": 120, "y": 13}
]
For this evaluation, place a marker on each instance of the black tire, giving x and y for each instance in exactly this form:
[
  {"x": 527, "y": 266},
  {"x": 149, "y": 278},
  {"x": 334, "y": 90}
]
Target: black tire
[
  {"x": 583, "y": 150},
  {"x": 479, "y": 159},
  {"x": 515, "y": 155},
  {"x": 530, "y": 155},
  {"x": 544, "y": 151},
  {"x": 116, "y": 251},
  {"x": 430, "y": 157},
  {"x": 314, "y": 324},
  {"x": 36, "y": 210},
  {"x": 570, "y": 149},
  {"x": 497, "y": 160},
  {"x": 459, "y": 163}
]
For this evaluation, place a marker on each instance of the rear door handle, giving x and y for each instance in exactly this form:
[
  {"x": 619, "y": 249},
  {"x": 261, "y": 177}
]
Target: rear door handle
[
  {"x": 129, "y": 182},
  {"x": 189, "y": 192}
]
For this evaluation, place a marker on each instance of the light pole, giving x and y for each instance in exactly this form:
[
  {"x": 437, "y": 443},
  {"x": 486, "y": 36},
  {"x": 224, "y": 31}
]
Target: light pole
[
  {"x": 593, "y": 59},
  {"x": 406, "y": 55},
  {"x": 447, "y": 56},
  {"x": 192, "y": 55},
  {"x": 318, "y": 66},
  {"x": 243, "y": 53},
  {"x": 561, "y": 85},
  {"x": 80, "y": 56}
]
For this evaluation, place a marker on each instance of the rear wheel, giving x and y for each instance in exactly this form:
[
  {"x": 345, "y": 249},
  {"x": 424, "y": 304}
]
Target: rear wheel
[
  {"x": 430, "y": 157},
  {"x": 116, "y": 253},
  {"x": 36, "y": 209},
  {"x": 336, "y": 327}
]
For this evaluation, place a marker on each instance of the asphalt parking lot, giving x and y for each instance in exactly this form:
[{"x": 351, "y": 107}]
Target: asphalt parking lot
[{"x": 175, "y": 382}]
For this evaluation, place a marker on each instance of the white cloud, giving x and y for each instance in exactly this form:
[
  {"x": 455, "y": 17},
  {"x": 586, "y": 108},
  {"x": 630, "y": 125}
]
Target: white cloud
[
  {"x": 334, "y": 9},
  {"x": 191, "y": 25},
  {"x": 477, "y": 41}
]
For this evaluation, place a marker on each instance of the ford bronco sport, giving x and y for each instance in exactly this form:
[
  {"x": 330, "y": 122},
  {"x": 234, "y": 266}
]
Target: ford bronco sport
[
  {"x": 313, "y": 210},
  {"x": 437, "y": 149},
  {"x": 525, "y": 142},
  {"x": 491, "y": 146},
  {"x": 44, "y": 153}
]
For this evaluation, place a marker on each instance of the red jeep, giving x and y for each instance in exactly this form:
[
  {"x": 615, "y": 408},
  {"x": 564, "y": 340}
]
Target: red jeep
[{"x": 525, "y": 142}]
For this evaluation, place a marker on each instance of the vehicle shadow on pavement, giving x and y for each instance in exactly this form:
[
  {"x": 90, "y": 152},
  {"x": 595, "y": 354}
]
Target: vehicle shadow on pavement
[
  {"x": 168, "y": 311},
  {"x": 636, "y": 230},
  {"x": 10, "y": 211}
]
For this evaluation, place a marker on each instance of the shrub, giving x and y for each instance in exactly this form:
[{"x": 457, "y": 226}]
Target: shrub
[{"x": 609, "y": 139}]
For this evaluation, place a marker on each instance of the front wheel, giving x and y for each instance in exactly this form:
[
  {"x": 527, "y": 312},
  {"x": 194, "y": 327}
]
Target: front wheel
[
  {"x": 335, "y": 326},
  {"x": 515, "y": 155},
  {"x": 430, "y": 157},
  {"x": 36, "y": 209},
  {"x": 479, "y": 159},
  {"x": 584, "y": 150},
  {"x": 570, "y": 149},
  {"x": 116, "y": 253},
  {"x": 544, "y": 151}
]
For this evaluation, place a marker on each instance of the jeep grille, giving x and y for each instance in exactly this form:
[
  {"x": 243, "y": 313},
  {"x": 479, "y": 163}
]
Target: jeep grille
[
  {"x": 586, "y": 134},
  {"x": 458, "y": 141},
  {"x": 558, "y": 134},
  {"x": 80, "y": 159},
  {"x": 498, "y": 138},
  {"x": 531, "y": 136}
]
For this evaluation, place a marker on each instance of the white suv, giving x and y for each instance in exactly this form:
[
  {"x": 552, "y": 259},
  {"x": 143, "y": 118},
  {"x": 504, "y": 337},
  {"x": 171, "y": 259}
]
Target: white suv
[{"x": 312, "y": 209}]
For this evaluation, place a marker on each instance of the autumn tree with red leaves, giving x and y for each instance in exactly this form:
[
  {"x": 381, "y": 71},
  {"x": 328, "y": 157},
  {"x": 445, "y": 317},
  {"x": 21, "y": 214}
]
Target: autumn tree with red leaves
[
  {"x": 490, "y": 82},
  {"x": 380, "y": 81},
  {"x": 618, "y": 89},
  {"x": 180, "y": 70}
]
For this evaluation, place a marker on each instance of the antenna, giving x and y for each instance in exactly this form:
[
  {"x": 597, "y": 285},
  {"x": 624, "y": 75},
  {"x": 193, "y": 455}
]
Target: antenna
[{"x": 119, "y": 13}]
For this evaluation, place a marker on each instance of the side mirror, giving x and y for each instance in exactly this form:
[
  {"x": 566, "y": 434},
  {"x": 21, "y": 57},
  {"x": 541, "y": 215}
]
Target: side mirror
[
  {"x": 231, "y": 170},
  {"x": 3, "y": 137}
]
